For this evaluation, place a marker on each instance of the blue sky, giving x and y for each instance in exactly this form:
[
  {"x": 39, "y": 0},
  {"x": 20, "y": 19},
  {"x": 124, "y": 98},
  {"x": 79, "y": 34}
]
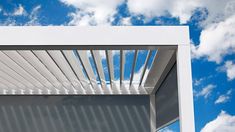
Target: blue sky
[{"x": 212, "y": 33}]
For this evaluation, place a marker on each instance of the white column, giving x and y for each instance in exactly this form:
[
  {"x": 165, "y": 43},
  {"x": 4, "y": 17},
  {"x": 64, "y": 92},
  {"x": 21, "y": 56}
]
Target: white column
[{"x": 185, "y": 92}]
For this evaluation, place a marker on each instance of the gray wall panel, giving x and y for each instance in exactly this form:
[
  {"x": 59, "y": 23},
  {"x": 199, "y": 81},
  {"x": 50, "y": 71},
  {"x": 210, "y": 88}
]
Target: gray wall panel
[{"x": 74, "y": 114}]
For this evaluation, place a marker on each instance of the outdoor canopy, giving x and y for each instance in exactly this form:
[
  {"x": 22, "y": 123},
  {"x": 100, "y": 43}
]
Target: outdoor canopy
[{"x": 56, "y": 60}]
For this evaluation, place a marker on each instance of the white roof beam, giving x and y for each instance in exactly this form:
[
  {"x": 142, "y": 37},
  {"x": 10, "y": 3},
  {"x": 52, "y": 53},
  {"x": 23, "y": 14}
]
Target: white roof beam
[
  {"x": 94, "y": 35},
  {"x": 161, "y": 62}
]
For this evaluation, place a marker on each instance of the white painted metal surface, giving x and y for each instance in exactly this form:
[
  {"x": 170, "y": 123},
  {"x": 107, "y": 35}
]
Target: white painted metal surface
[
  {"x": 185, "y": 90},
  {"x": 72, "y": 35}
]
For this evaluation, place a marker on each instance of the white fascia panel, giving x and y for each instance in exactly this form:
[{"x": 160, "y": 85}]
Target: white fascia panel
[{"x": 114, "y": 35}]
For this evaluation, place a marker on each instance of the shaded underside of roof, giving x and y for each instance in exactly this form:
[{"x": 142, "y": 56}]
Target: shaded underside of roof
[{"x": 82, "y": 71}]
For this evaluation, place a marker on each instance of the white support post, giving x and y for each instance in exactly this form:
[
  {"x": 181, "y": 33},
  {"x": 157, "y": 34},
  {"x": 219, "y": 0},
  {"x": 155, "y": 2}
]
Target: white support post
[
  {"x": 185, "y": 93},
  {"x": 152, "y": 113}
]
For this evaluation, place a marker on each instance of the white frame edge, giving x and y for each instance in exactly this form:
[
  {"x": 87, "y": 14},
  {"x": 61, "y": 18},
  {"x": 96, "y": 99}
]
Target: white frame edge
[
  {"x": 72, "y": 35},
  {"x": 185, "y": 93}
]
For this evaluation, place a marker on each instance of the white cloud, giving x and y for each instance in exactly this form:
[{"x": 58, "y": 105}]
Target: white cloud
[
  {"x": 224, "y": 98},
  {"x": 19, "y": 11},
  {"x": 223, "y": 123},
  {"x": 230, "y": 69},
  {"x": 217, "y": 38},
  {"x": 183, "y": 9},
  {"x": 90, "y": 12},
  {"x": 151, "y": 8},
  {"x": 198, "y": 82},
  {"x": 206, "y": 91},
  {"x": 33, "y": 16},
  {"x": 217, "y": 41}
]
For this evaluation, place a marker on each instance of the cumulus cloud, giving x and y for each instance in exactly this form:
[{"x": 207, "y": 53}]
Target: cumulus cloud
[
  {"x": 230, "y": 69},
  {"x": 90, "y": 12},
  {"x": 19, "y": 11},
  {"x": 217, "y": 40},
  {"x": 182, "y": 9},
  {"x": 223, "y": 123},
  {"x": 224, "y": 98},
  {"x": 206, "y": 91},
  {"x": 33, "y": 16}
]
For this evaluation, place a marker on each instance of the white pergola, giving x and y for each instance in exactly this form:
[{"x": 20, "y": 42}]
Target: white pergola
[{"x": 54, "y": 60}]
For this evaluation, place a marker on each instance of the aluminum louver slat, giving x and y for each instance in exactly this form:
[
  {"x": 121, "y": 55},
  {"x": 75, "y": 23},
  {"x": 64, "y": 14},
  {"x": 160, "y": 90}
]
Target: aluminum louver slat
[
  {"x": 87, "y": 67},
  {"x": 37, "y": 64},
  {"x": 50, "y": 64},
  {"x": 66, "y": 70},
  {"x": 100, "y": 71},
  {"x": 11, "y": 64}
]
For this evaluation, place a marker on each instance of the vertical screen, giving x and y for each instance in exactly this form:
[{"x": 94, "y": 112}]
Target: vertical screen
[{"x": 167, "y": 109}]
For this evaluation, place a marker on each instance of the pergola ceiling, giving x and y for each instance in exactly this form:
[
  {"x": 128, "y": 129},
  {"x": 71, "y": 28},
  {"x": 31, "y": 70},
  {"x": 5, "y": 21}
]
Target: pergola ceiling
[{"x": 82, "y": 72}]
